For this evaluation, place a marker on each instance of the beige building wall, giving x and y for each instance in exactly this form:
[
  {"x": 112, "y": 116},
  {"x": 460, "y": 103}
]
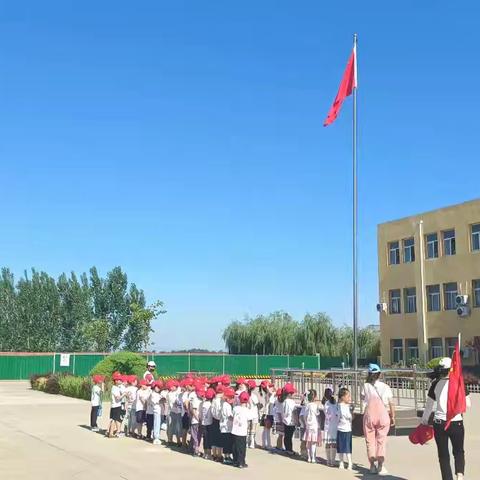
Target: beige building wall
[{"x": 463, "y": 268}]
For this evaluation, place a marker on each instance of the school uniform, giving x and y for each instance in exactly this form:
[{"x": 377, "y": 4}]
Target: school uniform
[
  {"x": 216, "y": 416},
  {"x": 174, "y": 418},
  {"x": 194, "y": 404},
  {"x": 344, "y": 434},
  {"x": 226, "y": 423},
  {"x": 96, "y": 403},
  {"x": 141, "y": 405},
  {"x": 116, "y": 404},
  {"x": 206, "y": 419},
  {"x": 288, "y": 408},
  {"x": 239, "y": 434}
]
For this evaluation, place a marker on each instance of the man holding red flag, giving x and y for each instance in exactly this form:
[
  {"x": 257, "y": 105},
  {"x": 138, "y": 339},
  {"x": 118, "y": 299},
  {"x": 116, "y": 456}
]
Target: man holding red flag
[{"x": 449, "y": 400}]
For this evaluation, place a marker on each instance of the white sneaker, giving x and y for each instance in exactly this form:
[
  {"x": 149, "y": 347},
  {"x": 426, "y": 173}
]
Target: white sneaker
[
  {"x": 383, "y": 471},
  {"x": 309, "y": 460},
  {"x": 95, "y": 429},
  {"x": 350, "y": 467},
  {"x": 341, "y": 466},
  {"x": 157, "y": 442},
  {"x": 460, "y": 476}
]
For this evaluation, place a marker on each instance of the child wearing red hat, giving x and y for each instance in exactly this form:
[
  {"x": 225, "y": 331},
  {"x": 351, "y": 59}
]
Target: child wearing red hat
[
  {"x": 253, "y": 412},
  {"x": 174, "y": 418},
  {"x": 206, "y": 420},
  {"x": 116, "y": 406},
  {"x": 226, "y": 423},
  {"x": 277, "y": 415},
  {"x": 267, "y": 419},
  {"x": 155, "y": 402},
  {"x": 241, "y": 417},
  {"x": 129, "y": 422},
  {"x": 141, "y": 401},
  {"x": 96, "y": 401},
  {"x": 217, "y": 403},
  {"x": 288, "y": 420},
  {"x": 195, "y": 425}
]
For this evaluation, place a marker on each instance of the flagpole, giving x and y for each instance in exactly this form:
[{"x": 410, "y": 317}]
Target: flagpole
[{"x": 355, "y": 218}]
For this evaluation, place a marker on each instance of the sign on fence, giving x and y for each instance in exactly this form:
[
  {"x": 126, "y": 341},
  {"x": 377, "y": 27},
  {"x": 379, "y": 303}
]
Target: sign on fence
[{"x": 64, "y": 359}]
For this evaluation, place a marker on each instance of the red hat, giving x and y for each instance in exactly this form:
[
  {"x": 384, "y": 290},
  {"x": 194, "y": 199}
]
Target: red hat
[
  {"x": 240, "y": 381},
  {"x": 200, "y": 392},
  {"x": 251, "y": 384},
  {"x": 279, "y": 392},
  {"x": 132, "y": 379},
  {"x": 229, "y": 393},
  {"x": 421, "y": 435},
  {"x": 210, "y": 393},
  {"x": 226, "y": 380},
  {"x": 116, "y": 376},
  {"x": 220, "y": 388},
  {"x": 143, "y": 383},
  {"x": 188, "y": 381},
  {"x": 289, "y": 388},
  {"x": 158, "y": 384},
  {"x": 244, "y": 397},
  {"x": 212, "y": 380},
  {"x": 98, "y": 378}
]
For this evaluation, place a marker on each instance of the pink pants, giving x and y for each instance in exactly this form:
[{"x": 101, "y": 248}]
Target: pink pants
[{"x": 376, "y": 425}]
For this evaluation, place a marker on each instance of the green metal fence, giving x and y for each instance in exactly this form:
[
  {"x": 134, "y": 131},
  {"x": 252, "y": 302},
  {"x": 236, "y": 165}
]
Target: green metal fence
[{"x": 16, "y": 366}]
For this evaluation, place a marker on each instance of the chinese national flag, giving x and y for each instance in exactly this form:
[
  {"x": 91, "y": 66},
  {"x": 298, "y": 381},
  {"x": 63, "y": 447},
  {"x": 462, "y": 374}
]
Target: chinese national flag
[
  {"x": 456, "y": 402},
  {"x": 349, "y": 82}
]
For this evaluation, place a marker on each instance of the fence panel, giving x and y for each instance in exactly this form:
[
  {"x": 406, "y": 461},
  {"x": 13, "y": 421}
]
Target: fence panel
[
  {"x": 170, "y": 365},
  {"x": 303, "y": 361},
  {"x": 206, "y": 363},
  {"x": 240, "y": 365},
  {"x": 266, "y": 362},
  {"x": 13, "y": 367}
]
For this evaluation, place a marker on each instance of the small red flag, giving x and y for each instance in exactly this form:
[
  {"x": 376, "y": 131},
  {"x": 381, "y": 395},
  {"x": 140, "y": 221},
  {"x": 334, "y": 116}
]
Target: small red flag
[
  {"x": 457, "y": 402},
  {"x": 349, "y": 82}
]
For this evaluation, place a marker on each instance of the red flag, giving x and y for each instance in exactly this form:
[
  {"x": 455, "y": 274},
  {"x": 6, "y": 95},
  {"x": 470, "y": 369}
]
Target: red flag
[
  {"x": 349, "y": 82},
  {"x": 457, "y": 402}
]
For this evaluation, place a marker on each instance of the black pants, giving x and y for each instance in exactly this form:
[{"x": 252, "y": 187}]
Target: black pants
[
  {"x": 94, "y": 416},
  {"x": 239, "y": 450},
  {"x": 287, "y": 439},
  {"x": 456, "y": 434},
  {"x": 149, "y": 425}
]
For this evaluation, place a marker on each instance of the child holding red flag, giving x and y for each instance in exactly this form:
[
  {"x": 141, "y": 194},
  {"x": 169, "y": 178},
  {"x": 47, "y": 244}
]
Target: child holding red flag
[{"x": 449, "y": 399}]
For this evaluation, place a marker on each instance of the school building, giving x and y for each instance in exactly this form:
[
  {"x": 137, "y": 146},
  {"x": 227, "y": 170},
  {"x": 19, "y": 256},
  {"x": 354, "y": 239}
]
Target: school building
[{"x": 429, "y": 285}]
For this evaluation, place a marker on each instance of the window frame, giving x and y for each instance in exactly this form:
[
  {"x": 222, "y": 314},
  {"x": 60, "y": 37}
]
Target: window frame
[
  {"x": 437, "y": 294},
  {"x": 397, "y": 253},
  {"x": 410, "y": 249},
  {"x": 448, "y": 297},
  {"x": 449, "y": 349},
  {"x": 390, "y": 301},
  {"x": 475, "y": 292},
  {"x": 434, "y": 243},
  {"x": 407, "y": 298},
  {"x": 475, "y": 235},
  {"x": 431, "y": 347},
  {"x": 398, "y": 349},
  {"x": 409, "y": 349},
  {"x": 451, "y": 241}
]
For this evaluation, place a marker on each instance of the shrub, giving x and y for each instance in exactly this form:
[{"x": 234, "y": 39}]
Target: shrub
[
  {"x": 124, "y": 362},
  {"x": 434, "y": 362},
  {"x": 52, "y": 385},
  {"x": 76, "y": 387},
  {"x": 38, "y": 381}
]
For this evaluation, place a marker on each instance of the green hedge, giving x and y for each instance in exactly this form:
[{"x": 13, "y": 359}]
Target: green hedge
[{"x": 63, "y": 384}]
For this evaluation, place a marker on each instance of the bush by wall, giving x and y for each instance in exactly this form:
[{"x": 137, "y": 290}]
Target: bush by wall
[{"x": 128, "y": 363}]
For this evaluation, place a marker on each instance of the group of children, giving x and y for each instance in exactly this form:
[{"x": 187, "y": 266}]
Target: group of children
[{"x": 196, "y": 409}]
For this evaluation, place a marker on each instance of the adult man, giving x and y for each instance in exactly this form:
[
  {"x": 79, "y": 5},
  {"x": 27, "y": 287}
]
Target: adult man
[{"x": 148, "y": 375}]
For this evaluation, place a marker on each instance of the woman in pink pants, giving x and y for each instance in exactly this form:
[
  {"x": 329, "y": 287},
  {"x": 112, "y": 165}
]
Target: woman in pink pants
[{"x": 378, "y": 416}]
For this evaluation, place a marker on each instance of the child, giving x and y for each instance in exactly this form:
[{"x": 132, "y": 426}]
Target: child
[
  {"x": 344, "y": 435},
  {"x": 206, "y": 420},
  {"x": 116, "y": 406},
  {"x": 301, "y": 420},
  {"x": 149, "y": 412},
  {"x": 187, "y": 388},
  {"x": 129, "y": 423},
  {"x": 226, "y": 423},
  {"x": 217, "y": 403},
  {"x": 267, "y": 417},
  {"x": 253, "y": 404},
  {"x": 174, "y": 419},
  {"x": 96, "y": 401},
  {"x": 143, "y": 394},
  {"x": 155, "y": 400},
  {"x": 239, "y": 430},
  {"x": 288, "y": 420},
  {"x": 331, "y": 426},
  {"x": 195, "y": 426},
  {"x": 312, "y": 435},
  {"x": 277, "y": 415}
]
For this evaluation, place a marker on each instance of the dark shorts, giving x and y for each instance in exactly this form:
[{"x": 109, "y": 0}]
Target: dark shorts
[
  {"x": 216, "y": 440},
  {"x": 344, "y": 442},
  {"x": 185, "y": 422},
  {"x": 227, "y": 443},
  {"x": 207, "y": 437},
  {"x": 116, "y": 414},
  {"x": 140, "y": 417}
]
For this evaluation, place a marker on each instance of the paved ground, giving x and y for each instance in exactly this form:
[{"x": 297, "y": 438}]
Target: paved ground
[{"x": 42, "y": 437}]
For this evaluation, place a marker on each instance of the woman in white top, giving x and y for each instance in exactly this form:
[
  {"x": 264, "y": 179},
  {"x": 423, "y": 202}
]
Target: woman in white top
[
  {"x": 378, "y": 416},
  {"x": 437, "y": 401}
]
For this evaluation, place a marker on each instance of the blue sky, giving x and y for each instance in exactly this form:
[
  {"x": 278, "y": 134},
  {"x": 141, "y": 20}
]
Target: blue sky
[{"x": 184, "y": 141}]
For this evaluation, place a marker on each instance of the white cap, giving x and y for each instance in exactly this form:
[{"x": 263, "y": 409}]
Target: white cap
[
  {"x": 445, "y": 363},
  {"x": 151, "y": 363}
]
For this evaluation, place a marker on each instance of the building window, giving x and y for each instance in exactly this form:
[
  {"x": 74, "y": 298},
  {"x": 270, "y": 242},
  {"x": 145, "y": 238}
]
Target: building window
[
  {"x": 476, "y": 237},
  {"x": 449, "y": 242},
  {"x": 409, "y": 250},
  {"x": 397, "y": 350},
  {"x": 450, "y": 346},
  {"x": 433, "y": 298},
  {"x": 476, "y": 293},
  {"x": 395, "y": 302},
  {"x": 450, "y": 291},
  {"x": 432, "y": 245},
  {"x": 435, "y": 347},
  {"x": 394, "y": 253},
  {"x": 410, "y": 300},
  {"x": 411, "y": 347}
]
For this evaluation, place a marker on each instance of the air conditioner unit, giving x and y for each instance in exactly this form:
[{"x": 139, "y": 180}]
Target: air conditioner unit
[
  {"x": 381, "y": 307},
  {"x": 463, "y": 311},
  {"x": 461, "y": 299}
]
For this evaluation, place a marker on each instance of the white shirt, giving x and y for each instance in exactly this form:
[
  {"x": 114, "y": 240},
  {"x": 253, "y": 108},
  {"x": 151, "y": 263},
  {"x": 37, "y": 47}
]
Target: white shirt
[
  {"x": 240, "y": 421},
  {"x": 96, "y": 398},
  {"x": 331, "y": 419},
  {"x": 194, "y": 405},
  {"x": 271, "y": 404},
  {"x": 277, "y": 410},
  {"x": 131, "y": 395},
  {"x": 253, "y": 408},
  {"x": 311, "y": 416},
  {"x": 174, "y": 402},
  {"x": 344, "y": 417},
  {"x": 154, "y": 402},
  {"x": 226, "y": 420},
  {"x": 217, "y": 407},
  {"x": 378, "y": 389},
  {"x": 116, "y": 396},
  {"x": 287, "y": 411},
  {"x": 206, "y": 413},
  {"x": 142, "y": 399}
]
